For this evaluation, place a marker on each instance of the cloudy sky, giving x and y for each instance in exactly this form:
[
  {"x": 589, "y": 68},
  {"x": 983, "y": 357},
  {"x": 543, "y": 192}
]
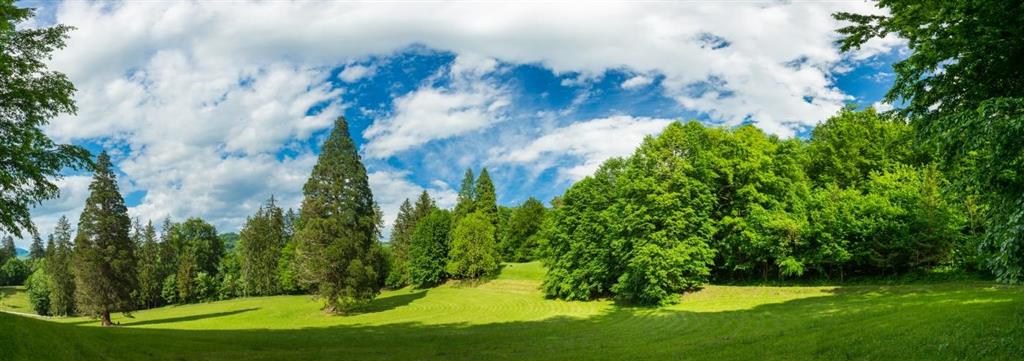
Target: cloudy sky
[{"x": 210, "y": 108}]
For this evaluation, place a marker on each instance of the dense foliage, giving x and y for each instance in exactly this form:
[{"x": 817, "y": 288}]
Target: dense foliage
[
  {"x": 262, "y": 239},
  {"x": 428, "y": 249},
  {"x": 962, "y": 86},
  {"x": 30, "y": 95},
  {"x": 473, "y": 252}
]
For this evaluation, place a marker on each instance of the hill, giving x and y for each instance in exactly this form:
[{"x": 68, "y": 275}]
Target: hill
[
  {"x": 507, "y": 318},
  {"x": 20, "y": 252}
]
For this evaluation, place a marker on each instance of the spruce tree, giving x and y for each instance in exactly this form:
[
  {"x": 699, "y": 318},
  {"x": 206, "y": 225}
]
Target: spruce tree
[
  {"x": 465, "y": 203},
  {"x": 36, "y": 250},
  {"x": 59, "y": 268},
  {"x": 150, "y": 270},
  {"x": 104, "y": 252},
  {"x": 484, "y": 198},
  {"x": 401, "y": 233},
  {"x": 259, "y": 249},
  {"x": 338, "y": 226},
  {"x": 424, "y": 206}
]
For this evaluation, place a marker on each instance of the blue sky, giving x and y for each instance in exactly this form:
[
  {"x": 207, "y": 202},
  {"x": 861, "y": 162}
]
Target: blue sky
[{"x": 210, "y": 109}]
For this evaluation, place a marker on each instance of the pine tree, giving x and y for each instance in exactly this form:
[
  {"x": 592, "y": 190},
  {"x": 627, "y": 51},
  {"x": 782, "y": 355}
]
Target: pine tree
[
  {"x": 465, "y": 203},
  {"x": 338, "y": 226},
  {"x": 36, "y": 250},
  {"x": 150, "y": 273},
  {"x": 484, "y": 198},
  {"x": 59, "y": 267},
  {"x": 104, "y": 252},
  {"x": 260, "y": 244}
]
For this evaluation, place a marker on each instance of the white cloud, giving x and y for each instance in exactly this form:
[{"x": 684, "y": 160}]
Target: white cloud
[
  {"x": 430, "y": 113},
  {"x": 638, "y": 81},
  {"x": 391, "y": 188},
  {"x": 356, "y": 72},
  {"x": 205, "y": 94},
  {"x": 589, "y": 142}
]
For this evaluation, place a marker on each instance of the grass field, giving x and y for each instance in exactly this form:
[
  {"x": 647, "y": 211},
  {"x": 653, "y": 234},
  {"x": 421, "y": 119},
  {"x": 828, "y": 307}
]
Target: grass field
[{"x": 507, "y": 318}]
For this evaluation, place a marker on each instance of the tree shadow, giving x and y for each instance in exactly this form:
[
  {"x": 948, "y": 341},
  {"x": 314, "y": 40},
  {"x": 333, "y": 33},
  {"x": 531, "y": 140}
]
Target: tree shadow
[
  {"x": 189, "y": 318},
  {"x": 390, "y": 302},
  {"x": 5, "y": 293}
]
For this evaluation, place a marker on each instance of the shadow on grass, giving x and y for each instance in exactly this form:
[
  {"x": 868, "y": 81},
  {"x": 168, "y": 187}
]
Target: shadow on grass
[
  {"x": 5, "y": 293},
  {"x": 189, "y": 318},
  {"x": 391, "y": 302},
  {"x": 938, "y": 322}
]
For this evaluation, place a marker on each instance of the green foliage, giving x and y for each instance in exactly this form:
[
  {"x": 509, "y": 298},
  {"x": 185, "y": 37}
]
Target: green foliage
[
  {"x": 198, "y": 238},
  {"x": 288, "y": 272},
  {"x": 36, "y": 250},
  {"x": 852, "y": 144},
  {"x": 31, "y": 95},
  {"x": 521, "y": 232},
  {"x": 485, "y": 200},
  {"x": 230, "y": 275},
  {"x": 578, "y": 240},
  {"x": 105, "y": 273},
  {"x": 169, "y": 290},
  {"x": 38, "y": 288},
  {"x": 401, "y": 233},
  {"x": 963, "y": 87},
  {"x": 14, "y": 272},
  {"x": 339, "y": 226},
  {"x": 473, "y": 252},
  {"x": 149, "y": 268},
  {"x": 7, "y": 249},
  {"x": 428, "y": 250},
  {"x": 262, "y": 239},
  {"x": 59, "y": 267},
  {"x": 466, "y": 201}
]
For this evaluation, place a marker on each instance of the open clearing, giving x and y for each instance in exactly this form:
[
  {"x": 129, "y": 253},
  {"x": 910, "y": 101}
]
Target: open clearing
[{"x": 508, "y": 318}]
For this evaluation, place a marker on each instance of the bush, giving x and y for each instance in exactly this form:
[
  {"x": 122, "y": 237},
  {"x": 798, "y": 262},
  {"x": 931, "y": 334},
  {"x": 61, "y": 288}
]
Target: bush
[
  {"x": 14, "y": 272},
  {"x": 38, "y": 288}
]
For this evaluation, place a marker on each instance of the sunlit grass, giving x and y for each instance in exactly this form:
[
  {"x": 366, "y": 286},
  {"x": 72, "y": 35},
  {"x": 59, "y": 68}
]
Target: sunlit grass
[{"x": 508, "y": 318}]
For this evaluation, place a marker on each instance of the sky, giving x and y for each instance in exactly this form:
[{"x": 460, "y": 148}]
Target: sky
[{"x": 208, "y": 109}]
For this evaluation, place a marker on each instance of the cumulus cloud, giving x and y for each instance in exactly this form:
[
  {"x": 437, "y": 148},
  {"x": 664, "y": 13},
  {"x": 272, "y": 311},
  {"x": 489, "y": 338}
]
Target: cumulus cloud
[
  {"x": 638, "y": 81},
  {"x": 204, "y": 95},
  {"x": 586, "y": 144},
  {"x": 391, "y": 188}
]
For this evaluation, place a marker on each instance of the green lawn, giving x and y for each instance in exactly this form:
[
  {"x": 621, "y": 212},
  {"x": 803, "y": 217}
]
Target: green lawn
[
  {"x": 14, "y": 299},
  {"x": 507, "y": 318}
]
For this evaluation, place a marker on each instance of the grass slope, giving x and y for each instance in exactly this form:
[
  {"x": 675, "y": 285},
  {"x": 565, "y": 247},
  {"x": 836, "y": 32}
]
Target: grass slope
[{"x": 507, "y": 318}]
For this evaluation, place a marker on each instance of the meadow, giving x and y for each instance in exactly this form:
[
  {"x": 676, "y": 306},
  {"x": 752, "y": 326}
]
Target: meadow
[{"x": 508, "y": 318}]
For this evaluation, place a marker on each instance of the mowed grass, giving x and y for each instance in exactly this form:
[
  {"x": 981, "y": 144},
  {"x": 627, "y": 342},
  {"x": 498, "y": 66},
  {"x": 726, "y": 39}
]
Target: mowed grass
[{"x": 508, "y": 318}]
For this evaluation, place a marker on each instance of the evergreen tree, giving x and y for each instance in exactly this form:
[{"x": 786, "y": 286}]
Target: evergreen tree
[
  {"x": 484, "y": 198},
  {"x": 338, "y": 226},
  {"x": 150, "y": 270},
  {"x": 104, "y": 252},
  {"x": 401, "y": 232},
  {"x": 465, "y": 203},
  {"x": 259, "y": 250},
  {"x": 424, "y": 206},
  {"x": 8, "y": 250},
  {"x": 36, "y": 250},
  {"x": 59, "y": 268}
]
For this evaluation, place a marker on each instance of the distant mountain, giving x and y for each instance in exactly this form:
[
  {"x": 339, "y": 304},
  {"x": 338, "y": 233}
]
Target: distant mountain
[{"x": 20, "y": 252}]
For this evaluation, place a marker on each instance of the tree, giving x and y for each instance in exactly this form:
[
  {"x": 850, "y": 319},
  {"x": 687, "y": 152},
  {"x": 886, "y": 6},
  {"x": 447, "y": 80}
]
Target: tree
[
  {"x": 473, "y": 253},
  {"x": 38, "y": 289},
  {"x": 963, "y": 88},
  {"x": 262, "y": 239},
  {"x": 197, "y": 236},
  {"x": 466, "y": 201},
  {"x": 519, "y": 237},
  {"x": 8, "y": 250},
  {"x": 36, "y": 250},
  {"x": 428, "y": 250},
  {"x": 104, "y": 252},
  {"x": 424, "y": 206},
  {"x": 31, "y": 95},
  {"x": 852, "y": 144},
  {"x": 59, "y": 263},
  {"x": 14, "y": 272},
  {"x": 338, "y": 226},
  {"x": 401, "y": 233},
  {"x": 484, "y": 198},
  {"x": 149, "y": 268}
]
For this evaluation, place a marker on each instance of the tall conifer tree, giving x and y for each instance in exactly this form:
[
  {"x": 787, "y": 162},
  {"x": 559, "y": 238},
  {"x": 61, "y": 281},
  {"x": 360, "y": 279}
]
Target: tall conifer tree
[
  {"x": 151, "y": 276},
  {"x": 260, "y": 244},
  {"x": 59, "y": 268},
  {"x": 338, "y": 226},
  {"x": 465, "y": 203},
  {"x": 36, "y": 250},
  {"x": 104, "y": 251},
  {"x": 485, "y": 199}
]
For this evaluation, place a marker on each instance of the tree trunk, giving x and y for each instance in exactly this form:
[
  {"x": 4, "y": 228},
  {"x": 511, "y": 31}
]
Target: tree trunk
[{"x": 105, "y": 319}]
